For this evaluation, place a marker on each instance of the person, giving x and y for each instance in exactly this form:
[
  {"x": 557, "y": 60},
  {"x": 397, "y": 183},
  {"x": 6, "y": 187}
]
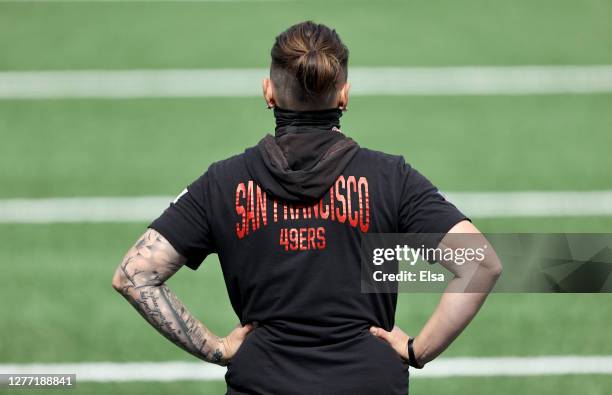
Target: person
[{"x": 286, "y": 218}]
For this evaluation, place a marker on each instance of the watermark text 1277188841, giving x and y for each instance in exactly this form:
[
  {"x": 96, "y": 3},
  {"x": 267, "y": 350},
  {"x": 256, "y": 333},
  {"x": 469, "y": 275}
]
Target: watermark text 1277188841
[{"x": 16, "y": 381}]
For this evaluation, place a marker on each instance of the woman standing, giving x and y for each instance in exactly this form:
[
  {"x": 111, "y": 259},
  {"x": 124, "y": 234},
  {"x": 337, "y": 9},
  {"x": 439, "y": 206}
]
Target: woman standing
[{"x": 286, "y": 218}]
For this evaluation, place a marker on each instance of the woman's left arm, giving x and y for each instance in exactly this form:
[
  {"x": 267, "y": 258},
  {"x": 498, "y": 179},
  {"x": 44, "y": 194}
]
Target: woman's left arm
[{"x": 457, "y": 307}]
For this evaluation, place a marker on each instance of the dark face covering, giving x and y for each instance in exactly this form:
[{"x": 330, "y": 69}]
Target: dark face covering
[{"x": 304, "y": 158}]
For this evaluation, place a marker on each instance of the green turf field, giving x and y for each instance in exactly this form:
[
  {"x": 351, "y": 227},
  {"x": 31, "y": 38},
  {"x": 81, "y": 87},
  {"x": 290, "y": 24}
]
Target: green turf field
[
  {"x": 594, "y": 385},
  {"x": 57, "y": 301}
]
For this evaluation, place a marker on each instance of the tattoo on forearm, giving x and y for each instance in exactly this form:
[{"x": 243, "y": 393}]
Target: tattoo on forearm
[{"x": 150, "y": 262}]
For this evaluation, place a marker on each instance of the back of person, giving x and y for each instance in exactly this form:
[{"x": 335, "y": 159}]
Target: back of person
[
  {"x": 290, "y": 253},
  {"x": 287, "y": 218},
  {"x": 293, "y": 268}
]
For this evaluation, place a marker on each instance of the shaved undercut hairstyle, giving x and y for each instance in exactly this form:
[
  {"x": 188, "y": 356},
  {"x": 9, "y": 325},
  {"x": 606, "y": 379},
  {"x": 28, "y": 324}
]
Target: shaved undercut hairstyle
[{"x": 309, "y": 66}]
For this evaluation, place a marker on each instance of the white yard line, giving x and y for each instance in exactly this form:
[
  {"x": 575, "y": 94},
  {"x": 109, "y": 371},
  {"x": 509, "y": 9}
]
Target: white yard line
[
  {"x": 87, "y": 209},
  {"x": 147, "y": 208},
  {"x": 533, "y": 203},
  {"x": 441, "y": 368},
  {"x": 467, "y": 80}
]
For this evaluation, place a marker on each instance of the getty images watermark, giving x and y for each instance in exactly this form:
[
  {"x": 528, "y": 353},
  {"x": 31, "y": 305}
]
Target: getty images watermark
[
  {"x": 533, "y": 262},
  {"x": 411, "y": 256}
]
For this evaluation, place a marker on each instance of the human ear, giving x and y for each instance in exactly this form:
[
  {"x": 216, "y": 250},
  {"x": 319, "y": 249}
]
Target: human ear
[
  {"x": 343, "y": 96},
  {"x": 268, "y": 92}
]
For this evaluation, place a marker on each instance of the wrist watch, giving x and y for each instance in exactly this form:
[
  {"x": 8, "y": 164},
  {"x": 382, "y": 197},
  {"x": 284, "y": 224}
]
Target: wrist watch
[{"x": 412, "y": 361}]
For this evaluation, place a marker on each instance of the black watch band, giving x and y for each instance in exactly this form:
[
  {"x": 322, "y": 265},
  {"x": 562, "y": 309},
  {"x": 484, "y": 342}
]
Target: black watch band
[{"x": 412, "y": 361}]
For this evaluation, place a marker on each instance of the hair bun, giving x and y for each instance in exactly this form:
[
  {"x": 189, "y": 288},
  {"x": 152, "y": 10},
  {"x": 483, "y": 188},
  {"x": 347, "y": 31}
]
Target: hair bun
[{"x": 314, "y": 56}]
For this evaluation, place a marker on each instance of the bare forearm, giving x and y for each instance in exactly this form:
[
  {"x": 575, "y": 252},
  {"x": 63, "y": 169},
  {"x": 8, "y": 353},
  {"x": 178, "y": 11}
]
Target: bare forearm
[
  {"x": 140, "y": 279},
  {"x": 168, "y": 315},
  {"x": 464, "y": 295},
  {"x": 462, "y": 299},
  {"x": 452, "y": 315}
]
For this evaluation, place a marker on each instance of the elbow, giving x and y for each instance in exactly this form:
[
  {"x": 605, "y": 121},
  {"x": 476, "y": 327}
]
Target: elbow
[
  {"x": 119, "y": 280},
  {"x": 494, "y": 269}
]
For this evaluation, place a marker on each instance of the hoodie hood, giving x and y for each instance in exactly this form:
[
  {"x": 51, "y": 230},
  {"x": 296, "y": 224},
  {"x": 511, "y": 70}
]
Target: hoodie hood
[{"x": 304, "y": 157}]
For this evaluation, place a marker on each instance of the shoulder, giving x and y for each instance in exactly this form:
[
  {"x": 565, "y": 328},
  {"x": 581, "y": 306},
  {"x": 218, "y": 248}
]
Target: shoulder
[
  {"x": 222, "y": 172},
  {"x": 231, "y": 164},
  {"x": 380, "y": 160}
]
